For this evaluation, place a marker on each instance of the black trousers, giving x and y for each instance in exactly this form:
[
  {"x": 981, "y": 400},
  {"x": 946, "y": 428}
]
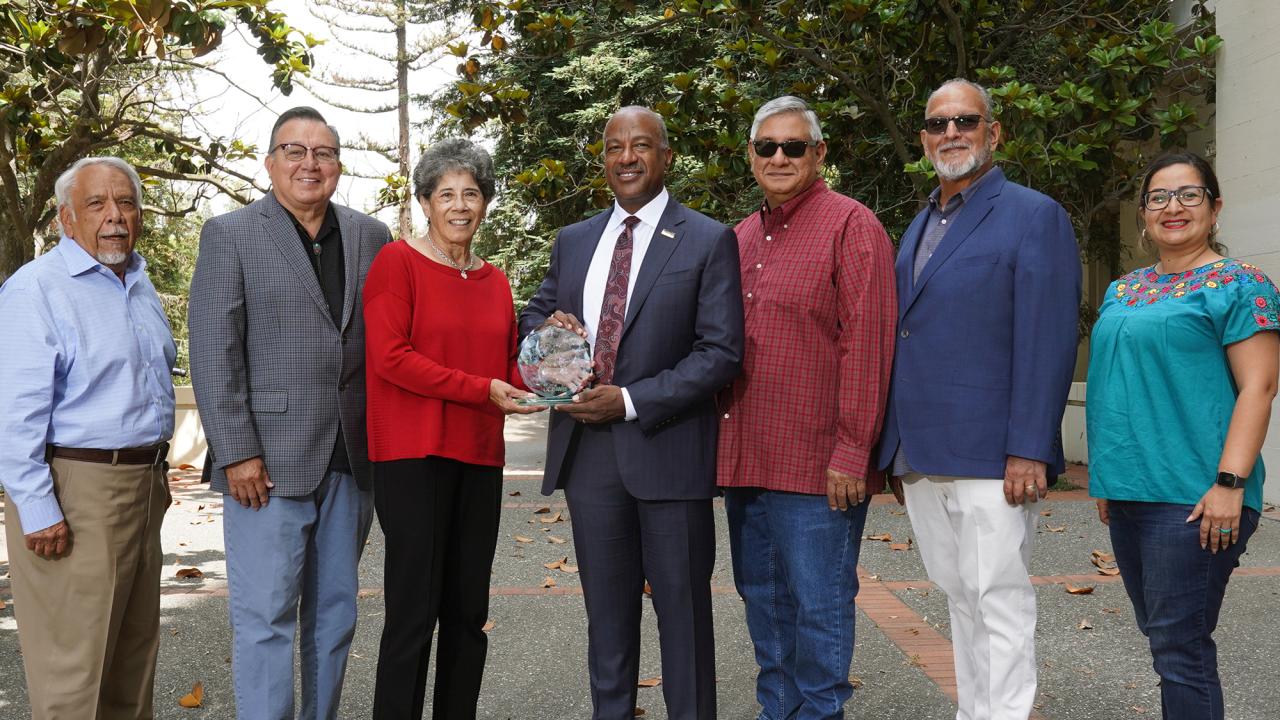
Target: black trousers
[{"x": 440, "y": 519}]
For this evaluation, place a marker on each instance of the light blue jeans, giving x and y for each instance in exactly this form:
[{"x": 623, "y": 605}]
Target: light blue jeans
[
  {"x": 795, "y": 564},
  {"x": 289, "y": 564}
]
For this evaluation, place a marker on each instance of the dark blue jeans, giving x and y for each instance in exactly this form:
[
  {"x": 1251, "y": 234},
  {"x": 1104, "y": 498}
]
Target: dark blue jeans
[
  {"x": 1176, "y": 589},
  {"x": 795, "y": 564}
]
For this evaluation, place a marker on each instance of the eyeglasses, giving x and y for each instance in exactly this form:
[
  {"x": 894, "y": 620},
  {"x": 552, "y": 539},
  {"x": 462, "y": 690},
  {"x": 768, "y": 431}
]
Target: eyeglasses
[
  {"x": 790, "y": 148},
  {"x": 293, "y": 152},
  {"x": 1188, "y": 196},
  {"x": 964, "y": 123}
]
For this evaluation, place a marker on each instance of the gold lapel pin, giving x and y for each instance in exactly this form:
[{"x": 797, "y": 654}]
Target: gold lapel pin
[{"x": 668, "y": 233}]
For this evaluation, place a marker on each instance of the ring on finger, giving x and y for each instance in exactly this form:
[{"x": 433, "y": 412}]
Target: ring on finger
[{"x": 1226, "y": 531}]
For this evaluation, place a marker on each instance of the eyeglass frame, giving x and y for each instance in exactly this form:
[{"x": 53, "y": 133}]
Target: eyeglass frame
[
  {"x": 1173, "y": 195},
  {"x": 957, "y": 119},
  {"x": 758, "y": 145},
  {"x": 337, "y": 152}
]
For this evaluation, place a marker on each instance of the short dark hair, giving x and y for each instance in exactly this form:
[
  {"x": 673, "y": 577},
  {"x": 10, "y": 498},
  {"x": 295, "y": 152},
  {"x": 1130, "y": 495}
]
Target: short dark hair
[
  {"x": 449, "y": 155},
  {"x": 301, "y": 112},
  {"x": 1207, "y": 176}
]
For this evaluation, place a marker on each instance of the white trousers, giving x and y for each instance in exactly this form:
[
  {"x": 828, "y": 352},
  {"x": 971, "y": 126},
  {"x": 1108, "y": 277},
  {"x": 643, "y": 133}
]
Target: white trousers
[{"x": 977, "y": 549}]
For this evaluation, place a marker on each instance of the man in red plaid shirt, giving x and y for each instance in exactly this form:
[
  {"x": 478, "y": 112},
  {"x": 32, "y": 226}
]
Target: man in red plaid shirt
[{"x": 798, "y": 427}]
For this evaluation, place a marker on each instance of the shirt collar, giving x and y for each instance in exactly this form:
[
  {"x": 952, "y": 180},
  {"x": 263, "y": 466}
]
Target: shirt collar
[
  {"x": 786, "y": 210},
  {"x": 650, "y": 214},
  {"x": 78, "y": 261},
  {"x": 966, "y": 193}
]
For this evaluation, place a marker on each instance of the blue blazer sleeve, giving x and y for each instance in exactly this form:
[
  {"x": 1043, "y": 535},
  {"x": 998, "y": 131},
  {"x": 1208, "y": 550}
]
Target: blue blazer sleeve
[{"x": 1046, "y": 302}]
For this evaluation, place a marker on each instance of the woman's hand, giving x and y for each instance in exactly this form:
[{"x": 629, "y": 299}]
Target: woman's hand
[
  {"x": 1104, "y": 512},
  {"x": 1218, "y": 509},
  {"x": 504, "y": 396}
]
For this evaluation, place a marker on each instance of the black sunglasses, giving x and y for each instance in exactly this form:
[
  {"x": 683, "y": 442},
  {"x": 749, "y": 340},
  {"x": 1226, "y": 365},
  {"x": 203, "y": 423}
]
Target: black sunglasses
[
  {"x": 964, "y": 123},
  {"x": 790, "y": 148}
]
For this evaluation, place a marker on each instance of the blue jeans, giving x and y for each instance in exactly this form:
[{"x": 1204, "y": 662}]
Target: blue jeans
[
  {"x": 290, "y": 564},
  {"x": 1176, "y": 589},
  {"x": 795, "y": 564}
]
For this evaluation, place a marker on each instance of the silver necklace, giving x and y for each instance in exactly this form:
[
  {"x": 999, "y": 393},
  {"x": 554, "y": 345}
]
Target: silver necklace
[{"x": 471, "y": 259}]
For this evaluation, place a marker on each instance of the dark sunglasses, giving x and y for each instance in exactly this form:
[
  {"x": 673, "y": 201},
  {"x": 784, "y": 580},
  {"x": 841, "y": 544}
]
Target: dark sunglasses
[
  {"x": 790, "y": 148},
  {"x": 964, "y": 123}
]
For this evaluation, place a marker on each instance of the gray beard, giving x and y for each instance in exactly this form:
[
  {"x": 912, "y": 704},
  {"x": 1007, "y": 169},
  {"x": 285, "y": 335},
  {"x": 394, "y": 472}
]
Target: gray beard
[
  {"x": 962, "y": 169},
  {"x": 112, "y": 258}
]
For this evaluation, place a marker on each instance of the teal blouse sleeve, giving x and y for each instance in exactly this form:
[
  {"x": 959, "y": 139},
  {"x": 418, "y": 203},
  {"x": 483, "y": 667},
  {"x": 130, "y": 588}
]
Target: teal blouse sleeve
[{"x": 1253, "y": 305}]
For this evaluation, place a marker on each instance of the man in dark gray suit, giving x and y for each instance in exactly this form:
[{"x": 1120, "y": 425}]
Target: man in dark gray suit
[
  {"x": 657, "y": 288},
  {"x": 277, "y": 362}
]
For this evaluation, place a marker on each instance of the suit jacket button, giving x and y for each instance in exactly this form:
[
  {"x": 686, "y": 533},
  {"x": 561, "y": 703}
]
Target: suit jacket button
[
  {"x": 905, "y": 333},
  {"x": 342, "y": 387}
]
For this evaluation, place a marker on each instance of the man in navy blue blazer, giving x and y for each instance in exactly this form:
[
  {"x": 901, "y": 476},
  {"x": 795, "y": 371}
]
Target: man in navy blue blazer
[
  {"x": 654, "y": 287},
  {"x": 988, "y": 279}
]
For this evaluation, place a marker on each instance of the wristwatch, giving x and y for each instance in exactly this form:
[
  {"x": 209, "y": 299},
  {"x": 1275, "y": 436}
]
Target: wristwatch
[{"x": 1229, "y": 480}]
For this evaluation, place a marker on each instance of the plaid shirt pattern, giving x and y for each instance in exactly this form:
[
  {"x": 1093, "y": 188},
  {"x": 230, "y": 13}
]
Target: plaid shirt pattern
[{"x": 818, "y": 292}]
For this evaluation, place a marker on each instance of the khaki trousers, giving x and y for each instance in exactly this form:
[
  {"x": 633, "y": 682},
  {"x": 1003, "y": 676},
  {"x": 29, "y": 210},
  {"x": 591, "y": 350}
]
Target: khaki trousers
[{"x": 88, "y": 622}]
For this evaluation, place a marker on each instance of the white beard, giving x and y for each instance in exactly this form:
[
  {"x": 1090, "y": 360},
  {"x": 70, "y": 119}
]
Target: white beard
[
  {"x": 112, "y": 258},
  {"x": 963, "y": 168}
]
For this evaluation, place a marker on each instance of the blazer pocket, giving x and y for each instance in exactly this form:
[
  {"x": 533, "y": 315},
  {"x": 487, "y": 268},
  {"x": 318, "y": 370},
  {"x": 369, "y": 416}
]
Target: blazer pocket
[
  {"x": 678, "y": 276},
  {"x": 976, "y": 260},
  {"x": 270, "y": 401}
]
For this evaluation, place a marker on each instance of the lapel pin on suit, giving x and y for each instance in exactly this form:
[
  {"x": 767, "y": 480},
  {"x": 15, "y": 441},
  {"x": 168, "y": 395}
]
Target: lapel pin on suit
[{"x": 668, "y": 233}]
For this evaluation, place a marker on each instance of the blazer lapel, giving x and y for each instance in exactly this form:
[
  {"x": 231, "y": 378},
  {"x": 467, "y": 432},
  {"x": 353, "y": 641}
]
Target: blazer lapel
[
  {"x": 575, "y": 258},
  {"x": 281, "y": 230},
  {"x": 906, "y": 258},
  {"x": 975, "y": 210},
  {"x": 661, "y": 246},
  {"x": 351, "y": 246}
]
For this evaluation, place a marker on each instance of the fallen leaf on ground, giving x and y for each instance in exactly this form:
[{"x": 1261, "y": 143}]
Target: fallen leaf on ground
[
  {"x": 1104, "y": 557},
  {"x": 897, "y": 512},
  {"x": 1085, "y": 625},
  {"x": 1055, "y": 528},
  {"x": 901, "y": 546},
  {"x": 915, "y": 661},
  {"x": 571, "y": 569},
  {"x": 549, "y": 582},
  {"x": 556, "y": 564},
  {"x": 1109, "y": 572},
  {"x": 648, "y": 590},
  {"x": 523, "y": 539},
  {"x": 1105, "y": 562},
  {"x": 542, "y": 511},
  {"x": 555, "y": 540},
  {"x": 186, "y": 466},
  {"x": 194, "y": 698},
  {"x": 1138, "y": 710},
  {"x": 1111, "y": 611},
  {"x": 514, "y": 493},
  {"x": 856, "y": 682},
  {"x": 883, "y": 537},
  {"x": 1046, "y": 513},
  {"x": 1078, "y": 589},
  {"x": 2, "y": 605},
  {"x": 639, "y": 711},
  {"x": 551, "y": 518},
  {"x": 185, "y": 573},
  {"x": 489, "y": 626},
  {"x": 650, "y": 682}
]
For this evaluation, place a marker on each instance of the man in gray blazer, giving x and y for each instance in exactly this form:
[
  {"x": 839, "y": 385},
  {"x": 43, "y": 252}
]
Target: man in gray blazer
[{"x": 277, "y": 363}]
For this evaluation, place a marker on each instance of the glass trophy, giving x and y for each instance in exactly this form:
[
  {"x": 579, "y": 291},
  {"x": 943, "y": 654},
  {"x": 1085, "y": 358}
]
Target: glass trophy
[{"x": 555, "y": 363}]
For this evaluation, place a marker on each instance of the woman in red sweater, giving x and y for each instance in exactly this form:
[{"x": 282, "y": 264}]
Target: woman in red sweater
[{"x": 441, "y": 352}]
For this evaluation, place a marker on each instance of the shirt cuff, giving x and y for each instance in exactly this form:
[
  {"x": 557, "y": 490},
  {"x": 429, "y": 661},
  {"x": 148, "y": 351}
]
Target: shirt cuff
[
  {"x": 39, "y": 513},
  {"x": 631, "y": 409}
]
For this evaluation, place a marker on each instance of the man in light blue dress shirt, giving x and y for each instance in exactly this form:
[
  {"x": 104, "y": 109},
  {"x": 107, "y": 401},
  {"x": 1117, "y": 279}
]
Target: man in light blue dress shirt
[{"x": 89, "y": 405}]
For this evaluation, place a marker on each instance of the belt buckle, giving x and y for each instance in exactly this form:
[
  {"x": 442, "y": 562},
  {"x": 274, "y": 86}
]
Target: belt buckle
[{"x": 115, "y": 457}]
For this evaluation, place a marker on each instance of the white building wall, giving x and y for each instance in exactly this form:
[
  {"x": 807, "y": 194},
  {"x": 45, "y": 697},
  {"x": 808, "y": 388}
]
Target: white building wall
[{"x": 1248, "y": 154}]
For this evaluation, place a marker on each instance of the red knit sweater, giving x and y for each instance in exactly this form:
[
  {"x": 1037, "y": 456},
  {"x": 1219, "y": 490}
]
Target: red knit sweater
[{"x": 433, "y": 342}]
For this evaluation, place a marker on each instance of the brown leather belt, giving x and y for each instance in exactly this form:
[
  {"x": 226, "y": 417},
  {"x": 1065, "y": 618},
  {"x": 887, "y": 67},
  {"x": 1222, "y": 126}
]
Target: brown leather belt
[{"x": 150, "y": 455}]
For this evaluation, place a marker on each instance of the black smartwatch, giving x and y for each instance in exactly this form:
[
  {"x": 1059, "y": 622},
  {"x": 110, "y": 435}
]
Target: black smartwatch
[{"x": 1229, "y": 480}]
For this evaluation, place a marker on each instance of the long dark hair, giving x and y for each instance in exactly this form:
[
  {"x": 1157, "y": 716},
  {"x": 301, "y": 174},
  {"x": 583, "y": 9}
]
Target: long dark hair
[{"x": 1207, "y": 176}]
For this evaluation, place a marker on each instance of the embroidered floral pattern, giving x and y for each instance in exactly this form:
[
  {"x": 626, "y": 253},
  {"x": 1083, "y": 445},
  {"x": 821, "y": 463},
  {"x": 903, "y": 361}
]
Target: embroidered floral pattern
[{"x": 1145, "y": 286}]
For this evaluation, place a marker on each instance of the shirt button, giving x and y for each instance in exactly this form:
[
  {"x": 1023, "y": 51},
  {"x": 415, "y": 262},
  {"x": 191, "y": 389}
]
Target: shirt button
[
  {"x": 748, "y": 295},
  {"x": 784, "y": 227},
  {"x": 759, "y": 265},
  {"x": 726, "y": 416},
  {"x": 944, "y": 221},
  {"x": 768, "y": 237},
  {"x": 905, "y": 333}
]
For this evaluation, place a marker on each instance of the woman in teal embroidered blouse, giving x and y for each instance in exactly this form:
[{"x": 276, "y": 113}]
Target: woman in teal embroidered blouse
[{"x": 1182, "y": 371}]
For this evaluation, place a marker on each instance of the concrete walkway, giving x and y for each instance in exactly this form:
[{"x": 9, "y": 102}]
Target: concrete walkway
[{"x": 1094, "y": 663}]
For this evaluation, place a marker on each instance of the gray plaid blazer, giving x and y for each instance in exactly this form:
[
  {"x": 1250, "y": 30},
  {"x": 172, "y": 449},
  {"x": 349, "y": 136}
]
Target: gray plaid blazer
[{"x": 271, "y": 372}]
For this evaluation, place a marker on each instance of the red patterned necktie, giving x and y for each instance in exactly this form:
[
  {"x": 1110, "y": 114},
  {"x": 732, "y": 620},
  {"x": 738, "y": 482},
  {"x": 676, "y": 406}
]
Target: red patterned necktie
[{"x": 613, "y": 311}]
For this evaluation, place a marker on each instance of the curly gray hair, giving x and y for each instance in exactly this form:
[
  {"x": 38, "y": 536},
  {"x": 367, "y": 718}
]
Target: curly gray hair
[{"x": 448, "y": 156}]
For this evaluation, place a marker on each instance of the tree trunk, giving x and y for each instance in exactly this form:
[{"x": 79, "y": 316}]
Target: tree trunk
[
  {"x": 17, "y": 246},
  {"x": 402, "y": 86}
]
